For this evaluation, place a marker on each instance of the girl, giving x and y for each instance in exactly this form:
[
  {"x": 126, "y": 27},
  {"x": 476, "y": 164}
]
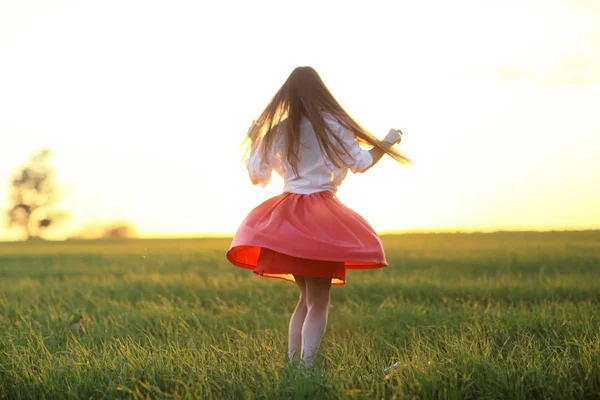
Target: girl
[{"x": 305, "y": 235}]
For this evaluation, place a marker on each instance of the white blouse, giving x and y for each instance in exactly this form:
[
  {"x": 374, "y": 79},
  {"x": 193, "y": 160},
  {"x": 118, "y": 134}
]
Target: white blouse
[{"x": 315, "y": 172}]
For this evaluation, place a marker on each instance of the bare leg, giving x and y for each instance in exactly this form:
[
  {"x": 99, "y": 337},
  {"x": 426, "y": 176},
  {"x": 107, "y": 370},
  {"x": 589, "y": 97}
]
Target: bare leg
[
  {"x": 296, "y": 322},
  {"x": 317, "y": 299}
]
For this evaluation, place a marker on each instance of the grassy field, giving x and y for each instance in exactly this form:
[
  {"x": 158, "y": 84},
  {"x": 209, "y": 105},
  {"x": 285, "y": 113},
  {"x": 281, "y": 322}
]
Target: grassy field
[{"x": 504, "y": 315}]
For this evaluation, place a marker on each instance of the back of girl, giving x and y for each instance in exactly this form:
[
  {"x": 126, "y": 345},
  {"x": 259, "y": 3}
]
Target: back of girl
[{"x": 306, "y": 235}]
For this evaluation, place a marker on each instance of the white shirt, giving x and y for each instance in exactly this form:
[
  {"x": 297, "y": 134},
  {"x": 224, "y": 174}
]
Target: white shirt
[{"x": 315, "y": 172}]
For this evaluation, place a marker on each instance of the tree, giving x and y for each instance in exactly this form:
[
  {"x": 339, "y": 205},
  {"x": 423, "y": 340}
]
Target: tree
[
  {"x": 119, "y": 229},
  {"x": 106, "y": 230},
  {"x": 33, "y": 197}
]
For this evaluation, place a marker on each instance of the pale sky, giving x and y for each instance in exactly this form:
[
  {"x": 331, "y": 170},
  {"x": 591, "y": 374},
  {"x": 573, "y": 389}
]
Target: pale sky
[{"x": 144, "y": 104}]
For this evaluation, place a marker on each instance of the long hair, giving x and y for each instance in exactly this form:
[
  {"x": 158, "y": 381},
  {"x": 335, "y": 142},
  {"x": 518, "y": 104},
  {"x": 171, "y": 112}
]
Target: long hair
[{"x": 305, "y": 95}]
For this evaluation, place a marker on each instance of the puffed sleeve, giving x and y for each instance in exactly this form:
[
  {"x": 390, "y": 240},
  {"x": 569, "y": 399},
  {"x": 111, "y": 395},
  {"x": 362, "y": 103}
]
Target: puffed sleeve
[
  {"x": 359, "y": 159},
  {"x": 260, "y": 169}
]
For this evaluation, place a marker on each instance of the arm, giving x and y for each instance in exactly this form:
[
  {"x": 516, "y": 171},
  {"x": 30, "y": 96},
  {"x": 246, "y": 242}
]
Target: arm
[
  {"x": 376, "y": 154},
  {"x": 259, "y": 169},
  {"x": 360, "y": 160},
  {"x": 393, "y": 137},
  {"x": 252, "y": 167}
]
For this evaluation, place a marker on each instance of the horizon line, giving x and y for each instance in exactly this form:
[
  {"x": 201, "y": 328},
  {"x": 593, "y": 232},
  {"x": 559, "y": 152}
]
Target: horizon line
[{"x": 383, "y": 233}]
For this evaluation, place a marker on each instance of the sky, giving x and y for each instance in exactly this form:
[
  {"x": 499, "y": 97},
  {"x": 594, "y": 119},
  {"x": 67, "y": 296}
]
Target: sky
[{"x": 145, "y": 103}]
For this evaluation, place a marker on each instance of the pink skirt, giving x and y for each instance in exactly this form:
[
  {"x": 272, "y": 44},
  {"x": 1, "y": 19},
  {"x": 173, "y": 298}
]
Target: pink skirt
[{"x": 308, "y": 235}]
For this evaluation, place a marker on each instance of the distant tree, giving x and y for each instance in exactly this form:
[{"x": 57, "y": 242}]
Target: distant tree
[
  {"x": 104, "y": 230},
  {"x": 33, "y": 195},
  {"x": 119, "y": 230}
]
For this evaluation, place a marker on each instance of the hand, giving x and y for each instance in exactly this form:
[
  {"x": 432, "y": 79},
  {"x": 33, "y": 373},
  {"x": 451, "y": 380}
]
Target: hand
[{"x": 394, "y": 136}]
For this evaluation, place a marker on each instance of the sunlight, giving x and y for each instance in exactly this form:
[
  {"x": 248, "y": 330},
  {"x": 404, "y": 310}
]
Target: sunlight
[{"x": 146, "y": 122}]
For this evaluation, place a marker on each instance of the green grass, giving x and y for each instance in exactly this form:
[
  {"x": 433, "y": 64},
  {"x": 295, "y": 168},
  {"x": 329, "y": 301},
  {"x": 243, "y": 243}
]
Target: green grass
[{"x": 505, "y": 315}]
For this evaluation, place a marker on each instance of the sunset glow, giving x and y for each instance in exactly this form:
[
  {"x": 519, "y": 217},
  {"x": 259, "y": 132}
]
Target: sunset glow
[{"x": 145, "y": 103}]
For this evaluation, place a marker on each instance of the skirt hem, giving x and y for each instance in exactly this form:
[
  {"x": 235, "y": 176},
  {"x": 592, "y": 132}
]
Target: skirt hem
[
  {"x": 279, "y": 272},
  {"x": 362, "y": 264}
]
